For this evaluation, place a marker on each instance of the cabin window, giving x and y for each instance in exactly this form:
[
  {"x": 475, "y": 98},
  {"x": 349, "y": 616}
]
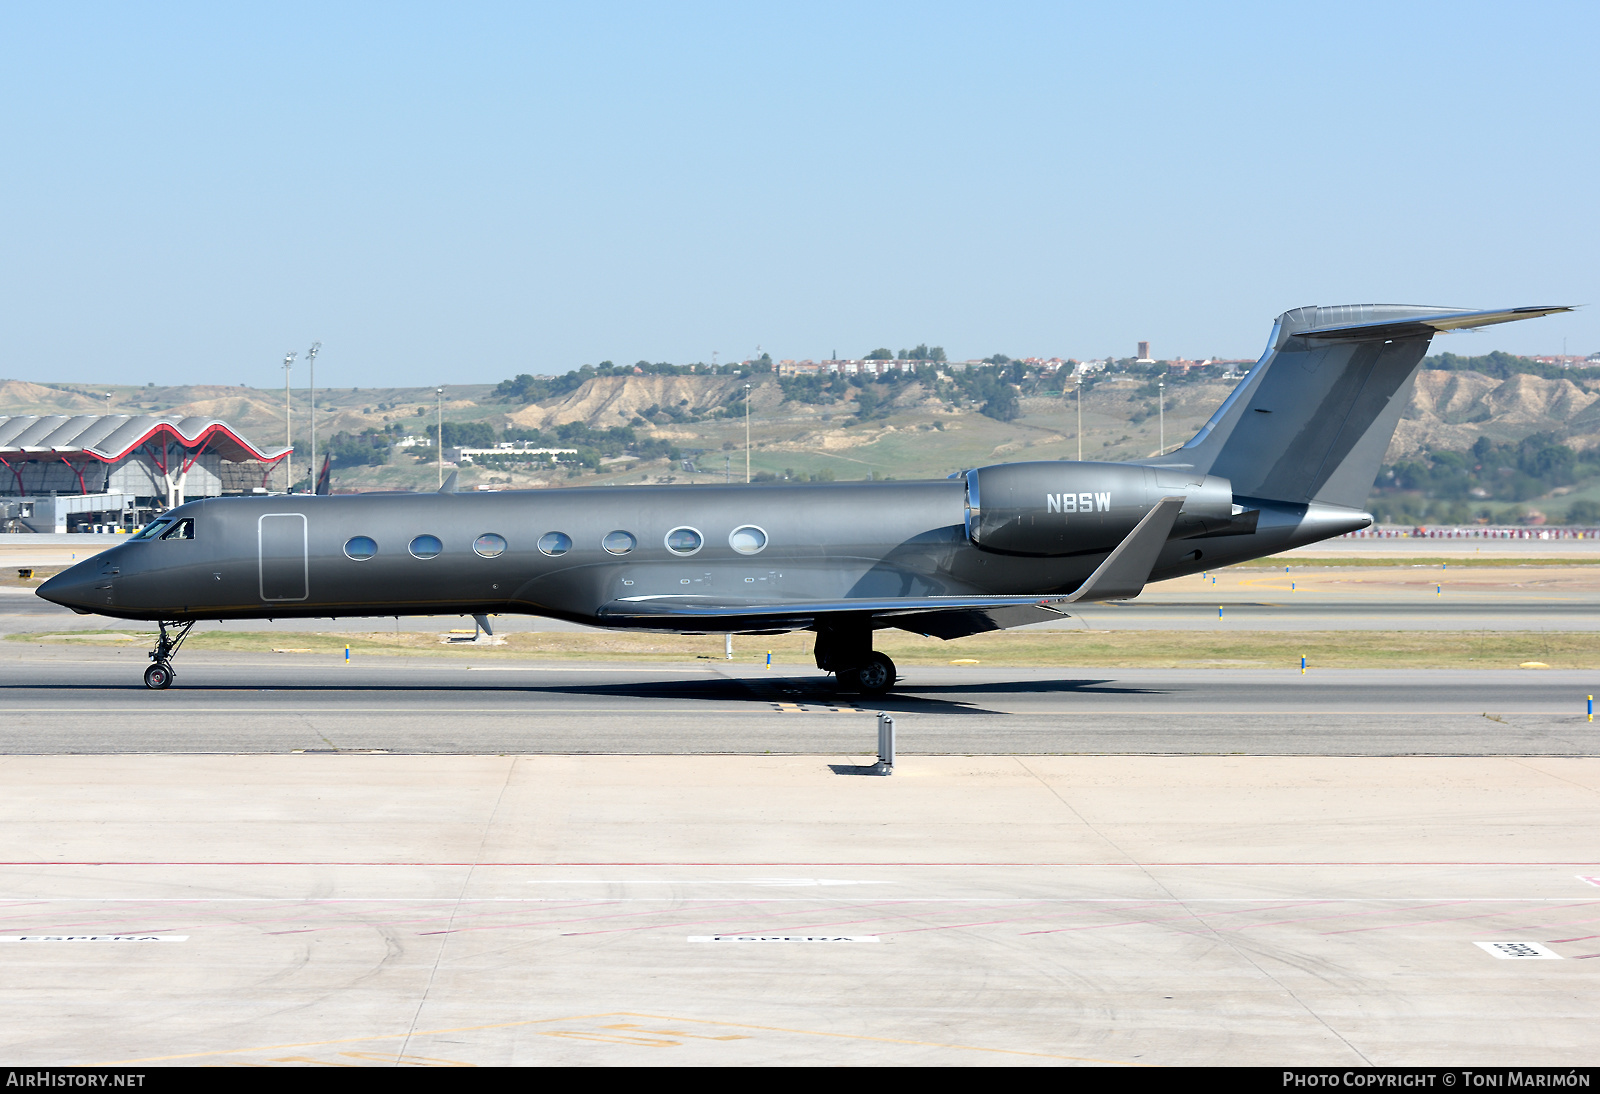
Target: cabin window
[
  {"x": 555, "y": 543},
  {"x": 489, "y": 545},
  {"x": 184, "y": 529},
  {"x": 154, "y": 528},
  {"x": 426, "y": 547},
  {"x": 619, "y": 542},
  {"x": 684, "y": 541},
  {"x": 748, "y": 540},
  {"x": 360, "y": 548}
]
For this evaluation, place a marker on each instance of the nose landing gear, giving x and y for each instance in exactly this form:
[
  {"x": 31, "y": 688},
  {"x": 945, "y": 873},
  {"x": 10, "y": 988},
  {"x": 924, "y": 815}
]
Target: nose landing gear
[{"x": 158, "y": 677}]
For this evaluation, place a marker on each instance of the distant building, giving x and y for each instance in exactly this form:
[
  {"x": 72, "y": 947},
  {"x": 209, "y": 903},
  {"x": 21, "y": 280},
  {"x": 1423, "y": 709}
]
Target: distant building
[
  {"x": 504, "y": 448},
  {"x": 70, "y": 472},
  {"x": 1144, "y": 357}
]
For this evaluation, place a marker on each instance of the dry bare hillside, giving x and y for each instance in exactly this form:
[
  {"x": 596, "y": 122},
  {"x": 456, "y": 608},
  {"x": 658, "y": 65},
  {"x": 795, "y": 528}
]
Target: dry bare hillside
[
  {"x": 22, "y": 397},
  {"x": 616, "y": 400},
  {"x": 1451, "y": 410},
  {"x": 915, "y": 433}
]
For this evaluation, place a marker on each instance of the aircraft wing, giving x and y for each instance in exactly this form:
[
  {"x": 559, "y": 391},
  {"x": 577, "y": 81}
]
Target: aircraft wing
[
  {"x": 700, "y": 607},
  {"x": 1120, "y": 577}
]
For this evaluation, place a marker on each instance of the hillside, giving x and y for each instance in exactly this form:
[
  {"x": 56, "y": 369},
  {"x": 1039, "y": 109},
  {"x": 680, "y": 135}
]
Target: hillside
[{"x": 912, "y": 429}]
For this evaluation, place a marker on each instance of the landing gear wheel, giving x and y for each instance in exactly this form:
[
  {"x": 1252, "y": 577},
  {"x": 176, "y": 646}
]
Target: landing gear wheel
[
  {"x": 876, "y": 676},
  {"x": 159, "y": 675}
]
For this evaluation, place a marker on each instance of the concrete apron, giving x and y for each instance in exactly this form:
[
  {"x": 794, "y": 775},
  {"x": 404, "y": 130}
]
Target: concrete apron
[{"x": 391, "y": 909}]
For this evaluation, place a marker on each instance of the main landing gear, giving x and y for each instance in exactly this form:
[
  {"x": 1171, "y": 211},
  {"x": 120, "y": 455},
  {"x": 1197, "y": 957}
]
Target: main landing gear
[
  {"x": 846, "y": 651},
  {"x": 158, "y": 676}
]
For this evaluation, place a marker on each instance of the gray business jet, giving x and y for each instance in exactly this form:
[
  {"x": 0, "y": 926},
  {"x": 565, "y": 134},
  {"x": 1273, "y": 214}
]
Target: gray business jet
[{"x": 1287, "y": 460}]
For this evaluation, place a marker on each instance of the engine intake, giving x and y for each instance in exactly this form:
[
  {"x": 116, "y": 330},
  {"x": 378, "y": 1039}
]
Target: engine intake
[{"x": 1069, "y": 508}]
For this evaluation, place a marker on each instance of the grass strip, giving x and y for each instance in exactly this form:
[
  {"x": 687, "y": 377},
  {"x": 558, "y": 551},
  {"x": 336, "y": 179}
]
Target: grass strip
[
  {"x": 1299, "y": 562},
  {"x": 1064, "y": 648}
]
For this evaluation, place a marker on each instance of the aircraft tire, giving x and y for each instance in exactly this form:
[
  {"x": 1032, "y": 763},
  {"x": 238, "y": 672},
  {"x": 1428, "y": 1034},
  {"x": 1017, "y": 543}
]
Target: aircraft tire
[
  {"x": 158, "y": 677},
  {"x": 876, "y": 676}
]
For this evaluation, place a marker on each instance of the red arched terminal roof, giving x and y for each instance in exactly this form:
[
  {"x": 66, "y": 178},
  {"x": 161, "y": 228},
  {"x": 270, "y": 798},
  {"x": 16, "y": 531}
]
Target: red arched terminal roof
[{"x": 112, "y": 437}]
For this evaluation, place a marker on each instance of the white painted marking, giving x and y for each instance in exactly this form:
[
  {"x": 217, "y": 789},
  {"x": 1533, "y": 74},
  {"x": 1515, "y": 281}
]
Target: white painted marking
[
  {"x": 784, "y": 881},
  {"x": 94, "y": 938},
  {"x": 1520, "y": 951},
  {"x": 1589, "y": 879},
  {"x": 631, "y": 669},
  {"x": 782, "y": 938}
]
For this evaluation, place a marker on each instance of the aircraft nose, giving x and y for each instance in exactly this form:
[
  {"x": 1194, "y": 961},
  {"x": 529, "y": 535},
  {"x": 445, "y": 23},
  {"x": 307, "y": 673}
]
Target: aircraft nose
[{"x": 76, "y": 588}]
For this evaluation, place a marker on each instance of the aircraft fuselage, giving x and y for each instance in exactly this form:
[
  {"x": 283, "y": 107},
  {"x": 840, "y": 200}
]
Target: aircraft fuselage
[{"x": 288, "y": 556}]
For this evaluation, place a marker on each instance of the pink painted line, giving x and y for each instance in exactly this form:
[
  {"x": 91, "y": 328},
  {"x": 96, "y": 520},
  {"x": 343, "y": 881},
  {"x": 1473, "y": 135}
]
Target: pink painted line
[
  {"x": 416, "y": 920},
  {"x": 1350, "y": 915},
  {"x": 998, "y": 922},
  {"x": 1171, "y": 919},
  {"x": 910, "y": 901},
  {"x": 690, "y": 923},
  {"x": 915, "y": 930},
  {"x": 862, "y": 863},
  {"x": 591, "y": 919},
  {"x": 1551, "y": 925},
  {"x": 1421, "y": 922},
  {"x": 342, "y": 904}
]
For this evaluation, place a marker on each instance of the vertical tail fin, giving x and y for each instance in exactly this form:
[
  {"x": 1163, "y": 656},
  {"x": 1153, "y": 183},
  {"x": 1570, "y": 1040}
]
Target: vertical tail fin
[{"x": 1312, "y": 420}]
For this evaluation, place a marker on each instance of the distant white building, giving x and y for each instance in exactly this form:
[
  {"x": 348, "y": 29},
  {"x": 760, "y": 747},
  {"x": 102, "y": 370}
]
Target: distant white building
[{"x": 504, "y": 448}]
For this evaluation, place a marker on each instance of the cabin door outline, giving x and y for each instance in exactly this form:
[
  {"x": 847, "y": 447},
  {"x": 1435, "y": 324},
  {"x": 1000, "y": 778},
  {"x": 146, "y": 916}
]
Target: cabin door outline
[{"x": 283, "y": 565}]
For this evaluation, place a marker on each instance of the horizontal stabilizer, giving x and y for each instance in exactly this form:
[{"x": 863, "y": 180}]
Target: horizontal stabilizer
[{"x": 1420, "y": 325}]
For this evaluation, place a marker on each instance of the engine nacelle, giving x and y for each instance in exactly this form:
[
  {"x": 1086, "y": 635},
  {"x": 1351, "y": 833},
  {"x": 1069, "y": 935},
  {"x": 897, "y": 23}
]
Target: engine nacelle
[{"x": 1069, "y": 508}]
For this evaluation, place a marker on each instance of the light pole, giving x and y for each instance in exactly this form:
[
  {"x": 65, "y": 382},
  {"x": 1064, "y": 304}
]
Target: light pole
[
  {"x": 439, "y": 394},
  {"x": 288, "y": 432},
  {"x": 1161, "y": 411},
  {"x": 1077, "y": 397},
  {"x": 311, "y": 360},
  {"x": 747, "y": 433}
]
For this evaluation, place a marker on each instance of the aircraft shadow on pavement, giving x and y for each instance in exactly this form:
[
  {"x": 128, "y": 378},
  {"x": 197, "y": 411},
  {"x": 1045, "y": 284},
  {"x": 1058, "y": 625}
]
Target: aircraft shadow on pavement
[
  {"x": 812, "y": 692},
  {"x": 933, "y": 699}
]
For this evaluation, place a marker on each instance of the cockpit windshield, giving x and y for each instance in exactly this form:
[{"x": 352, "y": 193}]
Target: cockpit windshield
[{"x": 154, "y": 528}]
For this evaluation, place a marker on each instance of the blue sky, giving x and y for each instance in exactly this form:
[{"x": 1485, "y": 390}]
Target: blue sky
[{"x": 458, "y": 193}]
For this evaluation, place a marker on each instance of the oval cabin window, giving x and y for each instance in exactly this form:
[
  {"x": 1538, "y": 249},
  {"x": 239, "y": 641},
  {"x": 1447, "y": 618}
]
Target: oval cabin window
[
  {"x": 619, "y": 542},
  {"x": 684, "y": 541},
  {"x": 489, "y": 545},
  {"x": 360, "y": 548},
  {"x": 747, "y": 540},
  {"x": 555, "y": 543},
  {"x": 426, "y": 547}
]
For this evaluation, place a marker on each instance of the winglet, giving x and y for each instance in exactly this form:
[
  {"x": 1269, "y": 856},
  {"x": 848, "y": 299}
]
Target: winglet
[
  {"x": 449, "y": 486},
  {"x": 1126, "y": 569}
]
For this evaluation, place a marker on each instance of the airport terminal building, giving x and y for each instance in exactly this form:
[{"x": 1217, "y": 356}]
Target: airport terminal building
[{"x": 103, "y": 472}]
